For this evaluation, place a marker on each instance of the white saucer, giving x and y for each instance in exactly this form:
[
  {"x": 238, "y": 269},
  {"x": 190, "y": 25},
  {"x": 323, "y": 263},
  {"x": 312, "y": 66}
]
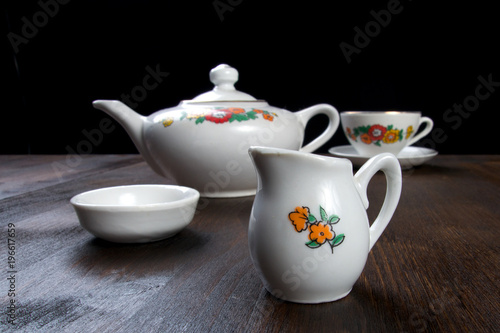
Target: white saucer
[{"x": 409, "y": 157}]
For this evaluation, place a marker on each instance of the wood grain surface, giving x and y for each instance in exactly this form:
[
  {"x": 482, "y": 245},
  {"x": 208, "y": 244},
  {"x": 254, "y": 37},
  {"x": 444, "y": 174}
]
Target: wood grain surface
[{"x": 435, "y": 268}]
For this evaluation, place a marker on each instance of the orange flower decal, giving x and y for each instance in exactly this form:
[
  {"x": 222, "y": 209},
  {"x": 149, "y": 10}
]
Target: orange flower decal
[
  {"x": 258, "y": 111},
  {"x": 350, "y": 134},
  {"x": 299, "y": 218},
  {"x": 366, "y": 138},
  {"x": 320, "y": 232},
  {"x": 268, "y": 117},
  {"x": 236, "y": 110}
]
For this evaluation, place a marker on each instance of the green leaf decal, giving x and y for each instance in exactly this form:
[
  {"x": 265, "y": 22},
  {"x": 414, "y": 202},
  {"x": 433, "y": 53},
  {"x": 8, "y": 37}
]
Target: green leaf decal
[
  {"x": 390, "y": 127},
  {"x": 334, "y": 219},
  {"x": 364, "y": 129},
  {"x": 239, "y": 117},
  {"x": 324, "y": 215},
  {"x": 183, "y": 115},
  {"x": 313, "y": 244},
  {"x": 338, "y": 240},
  {"x": 200, "y": 120},
  {"x": 311, "y": 218},
  {"x": 377, "y": 143},
  {"x": 251, "y": 115}
]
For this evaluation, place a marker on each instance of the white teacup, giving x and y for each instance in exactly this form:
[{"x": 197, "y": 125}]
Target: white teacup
[{"x": 375, "y": 132}]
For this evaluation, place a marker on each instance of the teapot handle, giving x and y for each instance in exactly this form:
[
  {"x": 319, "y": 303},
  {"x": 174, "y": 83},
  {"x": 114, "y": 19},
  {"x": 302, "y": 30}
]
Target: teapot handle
[
  {"x": 389, "y": 165},
  {"x": 333, "y": 115}
]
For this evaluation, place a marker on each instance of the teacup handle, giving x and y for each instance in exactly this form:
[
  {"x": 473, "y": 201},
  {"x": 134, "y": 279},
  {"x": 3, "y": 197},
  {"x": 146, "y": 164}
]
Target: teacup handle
[
  {"x": 389, "y": 165},
  {"x": 428, "y": 127},
  {"x": 333, "y": 115}
]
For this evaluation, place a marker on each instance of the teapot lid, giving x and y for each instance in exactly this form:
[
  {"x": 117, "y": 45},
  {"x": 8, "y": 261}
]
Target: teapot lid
[{"x": 223, "y": 77}]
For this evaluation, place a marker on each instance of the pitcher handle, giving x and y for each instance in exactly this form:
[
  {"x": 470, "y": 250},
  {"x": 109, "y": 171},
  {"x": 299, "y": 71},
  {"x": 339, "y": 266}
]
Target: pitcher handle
[
  {"x": 333, "y": 115},
  {"x": 389, "y": 165}
]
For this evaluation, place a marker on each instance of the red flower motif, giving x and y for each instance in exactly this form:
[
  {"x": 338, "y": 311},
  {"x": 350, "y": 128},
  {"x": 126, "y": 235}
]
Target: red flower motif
[
  {"x": 377, "y": 132},
  {"x": 219, "y": 116}
]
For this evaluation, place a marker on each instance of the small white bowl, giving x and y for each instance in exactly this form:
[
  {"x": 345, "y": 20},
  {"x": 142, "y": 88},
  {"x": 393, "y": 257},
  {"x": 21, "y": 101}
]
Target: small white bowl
[{"x": 136, "y": 213}]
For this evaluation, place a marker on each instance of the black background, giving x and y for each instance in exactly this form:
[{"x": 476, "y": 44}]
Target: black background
[{"x": 428, "y": 58}]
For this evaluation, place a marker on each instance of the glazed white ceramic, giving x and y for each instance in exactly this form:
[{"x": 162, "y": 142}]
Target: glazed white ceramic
[
  {"x": 375, "y": 132},
  {"x": 309, "y": 234},
  {"x": 203, "y": 143},
  {"x": 409, "y": 157},
  {"x": 136, "y": 213}
]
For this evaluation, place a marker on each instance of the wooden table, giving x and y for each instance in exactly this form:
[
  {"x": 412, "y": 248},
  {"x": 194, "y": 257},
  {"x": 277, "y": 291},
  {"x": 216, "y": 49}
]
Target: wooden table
[{"x": 435, "y": 269}]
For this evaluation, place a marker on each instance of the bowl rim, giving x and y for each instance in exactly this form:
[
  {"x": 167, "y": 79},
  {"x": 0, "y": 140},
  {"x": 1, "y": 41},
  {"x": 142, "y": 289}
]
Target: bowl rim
[
  {"x": 191, "y": 196},
  {"x": 378, "y": 113}
]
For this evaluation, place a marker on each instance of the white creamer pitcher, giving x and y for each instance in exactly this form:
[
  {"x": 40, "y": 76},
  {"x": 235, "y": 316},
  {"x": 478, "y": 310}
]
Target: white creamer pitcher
[{"x": 309, "y": 234}]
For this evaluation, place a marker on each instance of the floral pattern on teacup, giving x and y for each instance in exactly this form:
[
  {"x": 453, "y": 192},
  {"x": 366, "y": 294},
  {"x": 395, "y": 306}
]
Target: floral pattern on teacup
[
  {"x": 378, "y": 134},
  {"x": 320, "y": 231},
  {"x": 224, "y": 115}
]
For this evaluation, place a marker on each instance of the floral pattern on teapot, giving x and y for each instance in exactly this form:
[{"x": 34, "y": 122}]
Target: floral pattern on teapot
[
  {"x": 378, "y": 134},
  {"x": 320, "y": 232},
  {"x": 223, "y": 115}
]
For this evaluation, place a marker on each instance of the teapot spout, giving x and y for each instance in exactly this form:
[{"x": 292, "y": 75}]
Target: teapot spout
[{"x": 133, "y": 123}]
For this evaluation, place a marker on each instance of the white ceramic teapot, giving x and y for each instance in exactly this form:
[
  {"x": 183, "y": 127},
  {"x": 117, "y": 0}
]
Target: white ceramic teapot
[
  {"x": 309, "y": 235},
  {"x": 203, "y": 143}
]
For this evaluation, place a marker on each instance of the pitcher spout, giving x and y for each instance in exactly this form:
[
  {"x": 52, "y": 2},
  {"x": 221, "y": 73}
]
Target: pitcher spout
[
  {"x": 273, "y": 165},
  {"x": 260, "y": 154},
  {"x": 133, "y": 123},
  {"x": 256, "y": 151}
]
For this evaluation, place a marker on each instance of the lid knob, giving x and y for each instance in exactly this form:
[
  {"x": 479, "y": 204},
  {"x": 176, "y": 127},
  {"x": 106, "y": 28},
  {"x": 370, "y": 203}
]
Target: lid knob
[{"x": 223, "y": 77}]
